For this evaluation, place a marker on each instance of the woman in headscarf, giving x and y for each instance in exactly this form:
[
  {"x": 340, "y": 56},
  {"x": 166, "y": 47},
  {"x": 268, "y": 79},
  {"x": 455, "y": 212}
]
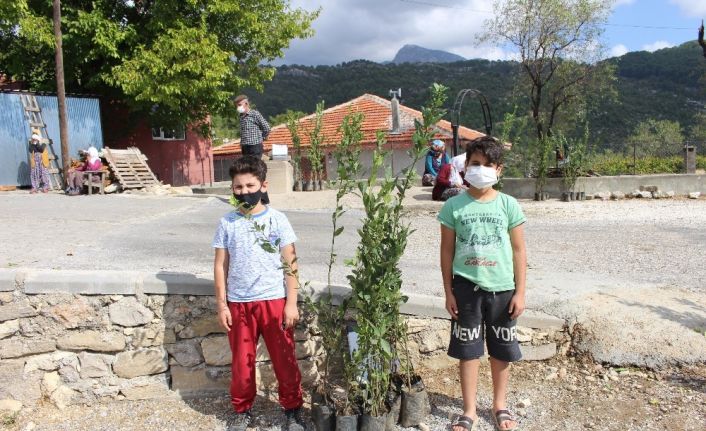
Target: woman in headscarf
[
  {"x": 92, "y": 163},
  {"x": 39, "y": 163},
  {"x": 436, "y": 158}
]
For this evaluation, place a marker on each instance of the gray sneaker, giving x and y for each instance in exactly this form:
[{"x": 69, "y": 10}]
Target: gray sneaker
[
  {"x": 240, "y": 422},
  {"x": 294, "y": 420}
]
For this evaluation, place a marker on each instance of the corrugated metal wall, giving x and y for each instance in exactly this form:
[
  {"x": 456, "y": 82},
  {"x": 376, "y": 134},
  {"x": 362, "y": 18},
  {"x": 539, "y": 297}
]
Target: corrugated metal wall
[{"x": 84, "y": 130}]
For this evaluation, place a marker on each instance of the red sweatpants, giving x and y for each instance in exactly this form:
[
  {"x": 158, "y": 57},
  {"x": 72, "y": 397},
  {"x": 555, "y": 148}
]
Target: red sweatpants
[{"x": 250, "y": 320}]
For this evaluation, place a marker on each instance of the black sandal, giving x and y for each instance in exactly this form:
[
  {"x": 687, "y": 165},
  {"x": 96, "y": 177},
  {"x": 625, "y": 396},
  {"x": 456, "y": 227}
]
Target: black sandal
[
  {"x": 503, "y": 416},
  {"x": 465, "y": 422}
]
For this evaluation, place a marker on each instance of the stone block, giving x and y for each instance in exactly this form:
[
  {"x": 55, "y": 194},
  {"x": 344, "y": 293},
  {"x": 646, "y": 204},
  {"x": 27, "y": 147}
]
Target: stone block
[
  {"x": 16, "y": 310},
  {"x": 186, "y": 353},
  {"x": 616, "y": 196},
  {"x": 604, "y": 196},
  {"x": 538, "y": 353},
  {"x": 200, "y": 381},
  {"x": 75, "y": 314},
  {"x": 431, "y": 341},
  {"x": 48, "y": 361},
  {"x": 415, "y": 325},
  {"x": 9, "y": 327},
  {"x": 694, "y": 195},
  {"x": 538, "y": 320},
  {"x": 165, "y": 283},
  {"x": 129, "y": 312},
  {"x": 671, "y": 194},
  {"x": 148, "y": 337},
  {"x": 216, "y": 351},
  {"x": 7, "y": 280},
  {"x": 152, "y": 391},
  {"x": 18, "y": 385},
  {"x": 280, "y": 176},
  {"x": 425, "y": 306},
  {"x": 524, "y": 335},
  {"x": 50, "y": 383},
  {"x": 202, "y": 327},
  {"x": 92, "y": 340},
  {"x": 95, "y": 365},
  {"x": 309, "y": 371},
  {"x": 305, "y": 349},
  {"x": 18, "y": 347},
  {"x": 141, "y": 362},
  {"x": 63, "y": 397},
  {"x": 65, "y": 281},
  {"x": 10, "y": 406}
]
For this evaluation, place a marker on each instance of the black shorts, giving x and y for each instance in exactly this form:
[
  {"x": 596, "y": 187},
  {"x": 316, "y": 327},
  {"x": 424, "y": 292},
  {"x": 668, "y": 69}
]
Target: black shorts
[{"x": 482, "y": 315}]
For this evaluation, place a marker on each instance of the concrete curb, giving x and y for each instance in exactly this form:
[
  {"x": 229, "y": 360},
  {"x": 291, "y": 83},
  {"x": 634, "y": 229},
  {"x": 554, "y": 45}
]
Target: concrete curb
[
  {"x": 7, "y": 280},
  {"x": 170, "y": 283}
]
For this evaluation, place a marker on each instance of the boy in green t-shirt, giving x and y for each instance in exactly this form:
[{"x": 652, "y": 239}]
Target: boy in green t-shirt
[{"x": 483, "y": 264}]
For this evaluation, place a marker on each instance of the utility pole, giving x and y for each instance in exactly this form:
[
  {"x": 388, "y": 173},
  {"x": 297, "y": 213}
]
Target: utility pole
[{"x": 60, "y": 91}]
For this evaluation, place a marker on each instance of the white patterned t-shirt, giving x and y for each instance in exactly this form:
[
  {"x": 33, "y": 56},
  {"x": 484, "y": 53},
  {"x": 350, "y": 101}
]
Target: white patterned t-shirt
[{"x": 254, "y": 274}]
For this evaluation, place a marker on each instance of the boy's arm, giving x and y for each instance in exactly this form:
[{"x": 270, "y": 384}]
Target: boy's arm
[
  {"x": 291, "y": 275},
  {"x": 519, "y": 263},
  {"x": 220, "y": 275},
  {"x": 447, "y": 250}
]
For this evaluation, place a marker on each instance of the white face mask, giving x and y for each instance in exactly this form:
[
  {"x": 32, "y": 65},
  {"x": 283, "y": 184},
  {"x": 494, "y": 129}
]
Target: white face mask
[
  {"x": 241, "y": 109},
  {"x": 481, "y": 177}
]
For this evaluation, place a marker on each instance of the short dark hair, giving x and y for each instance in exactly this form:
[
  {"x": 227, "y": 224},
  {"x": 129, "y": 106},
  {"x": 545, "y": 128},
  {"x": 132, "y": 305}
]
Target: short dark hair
[
  {"x": 249, "y": 165},
  {"x": 239, "y": 98},
  {"x": 489, "y": 147}
]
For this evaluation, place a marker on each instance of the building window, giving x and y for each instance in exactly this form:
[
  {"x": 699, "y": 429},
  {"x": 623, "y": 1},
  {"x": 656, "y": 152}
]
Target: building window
[{"x": 168, "y": 134}]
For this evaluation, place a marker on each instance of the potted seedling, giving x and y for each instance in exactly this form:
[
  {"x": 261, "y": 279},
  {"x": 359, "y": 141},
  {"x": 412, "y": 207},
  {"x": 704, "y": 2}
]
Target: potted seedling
[
  {"x": 296, "y": 151},
  {"x": 316, "y": 139}
]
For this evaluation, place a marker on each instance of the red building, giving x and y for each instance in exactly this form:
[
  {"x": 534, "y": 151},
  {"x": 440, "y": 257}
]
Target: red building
[{"x": 178, "y": 157}]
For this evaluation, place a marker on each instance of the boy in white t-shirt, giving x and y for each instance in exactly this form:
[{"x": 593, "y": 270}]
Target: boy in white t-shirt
[{"x": 254, "y": 295}]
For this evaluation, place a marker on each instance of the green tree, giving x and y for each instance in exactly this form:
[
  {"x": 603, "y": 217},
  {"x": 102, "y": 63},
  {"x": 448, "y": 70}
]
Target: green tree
[
  {"x": 557, "y": 42},
  {"x": 285, "y": 116},
  {"x": 175, "y": 60},
  {"x": 697, "y": 132},
  {"x": 657, "y": 138}
]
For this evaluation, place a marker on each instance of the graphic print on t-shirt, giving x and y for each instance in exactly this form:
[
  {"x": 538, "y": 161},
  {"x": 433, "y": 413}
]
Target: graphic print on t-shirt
[{"x": 481, "y": 235}]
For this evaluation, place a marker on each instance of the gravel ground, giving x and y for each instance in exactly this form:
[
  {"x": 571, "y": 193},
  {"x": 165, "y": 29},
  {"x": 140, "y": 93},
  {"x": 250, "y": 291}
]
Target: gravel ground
[{"x": 556, "y": 395}]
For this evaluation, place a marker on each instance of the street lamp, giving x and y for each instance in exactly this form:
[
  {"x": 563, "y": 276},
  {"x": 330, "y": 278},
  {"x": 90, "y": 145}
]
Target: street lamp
[{"x": 485, "y": 108}]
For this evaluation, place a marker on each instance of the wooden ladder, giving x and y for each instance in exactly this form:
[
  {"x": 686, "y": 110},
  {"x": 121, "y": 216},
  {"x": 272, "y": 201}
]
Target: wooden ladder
[{"x": 33, "y": 115}]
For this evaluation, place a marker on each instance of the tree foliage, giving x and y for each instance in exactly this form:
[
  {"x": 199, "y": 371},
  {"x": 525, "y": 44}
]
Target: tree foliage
[
  {"x": 557, "y": 42},
  {"x": 657, "y": 138},
  {"x": 176, "y": 60}
]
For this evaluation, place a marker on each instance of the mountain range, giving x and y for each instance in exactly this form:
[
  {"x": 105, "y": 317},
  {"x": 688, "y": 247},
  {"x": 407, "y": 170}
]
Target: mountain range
[{"x": 668, "y": 84}]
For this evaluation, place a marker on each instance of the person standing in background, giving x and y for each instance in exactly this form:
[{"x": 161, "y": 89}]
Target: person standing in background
[
  {"x": 39, "y": 163},
  {"x": 253, "y": 131}
]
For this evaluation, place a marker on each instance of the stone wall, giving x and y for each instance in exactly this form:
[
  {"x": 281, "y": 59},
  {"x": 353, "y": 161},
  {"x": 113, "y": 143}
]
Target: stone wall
[{"x": 84, "y": 348}]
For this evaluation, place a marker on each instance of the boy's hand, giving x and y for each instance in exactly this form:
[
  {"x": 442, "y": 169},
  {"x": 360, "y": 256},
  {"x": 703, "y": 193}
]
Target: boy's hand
[
  {"x": 291, "y": 315},
  {"x": 451, "y": 306},
  {"x": 517, "y": 306},
  {"x": 224, "y": 318}
]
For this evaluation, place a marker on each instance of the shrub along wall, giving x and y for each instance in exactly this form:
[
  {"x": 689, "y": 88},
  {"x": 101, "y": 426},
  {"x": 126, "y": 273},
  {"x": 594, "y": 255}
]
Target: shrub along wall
[{"x": 101, "y": 346}]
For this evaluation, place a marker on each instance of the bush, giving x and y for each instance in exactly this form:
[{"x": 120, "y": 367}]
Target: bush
[{"x": 616, "y": 164}]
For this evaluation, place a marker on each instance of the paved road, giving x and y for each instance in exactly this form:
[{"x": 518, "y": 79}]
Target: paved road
[{"x": 630, "y": 273}]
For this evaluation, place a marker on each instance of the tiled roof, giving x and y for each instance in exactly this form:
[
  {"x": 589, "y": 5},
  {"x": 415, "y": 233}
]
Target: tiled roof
[{"x": 377, "y": 116}]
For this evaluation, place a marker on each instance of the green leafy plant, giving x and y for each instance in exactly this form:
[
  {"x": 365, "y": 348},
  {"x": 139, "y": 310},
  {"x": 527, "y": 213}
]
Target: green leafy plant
[
  {"x": 316, "y": 139},
  {"x": 293, "y": 128},
  {"x": 575, "y": 156},
  {"x": 376, "y": 280}
]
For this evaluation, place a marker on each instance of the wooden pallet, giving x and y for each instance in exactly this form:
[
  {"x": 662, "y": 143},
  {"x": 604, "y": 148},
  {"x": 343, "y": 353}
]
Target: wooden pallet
[{"x": 130, "y": 168}]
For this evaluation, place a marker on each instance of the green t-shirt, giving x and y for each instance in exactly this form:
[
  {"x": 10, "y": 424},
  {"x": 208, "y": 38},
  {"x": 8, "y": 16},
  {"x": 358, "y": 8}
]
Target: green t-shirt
[{"x": 483, "y": 251}]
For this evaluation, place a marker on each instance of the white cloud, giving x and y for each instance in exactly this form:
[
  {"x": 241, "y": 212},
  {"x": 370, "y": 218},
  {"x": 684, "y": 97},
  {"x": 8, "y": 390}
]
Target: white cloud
[
  {"x": 375, "y": 30},
  {"x": 660, "y": 44},
  {"x": 618, "y": 50},
  {"x": 692, "y": 8}
]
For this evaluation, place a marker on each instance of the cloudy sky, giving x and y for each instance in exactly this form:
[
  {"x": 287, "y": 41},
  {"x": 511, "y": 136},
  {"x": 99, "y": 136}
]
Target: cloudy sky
[{"x": 375, "y": 29}]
